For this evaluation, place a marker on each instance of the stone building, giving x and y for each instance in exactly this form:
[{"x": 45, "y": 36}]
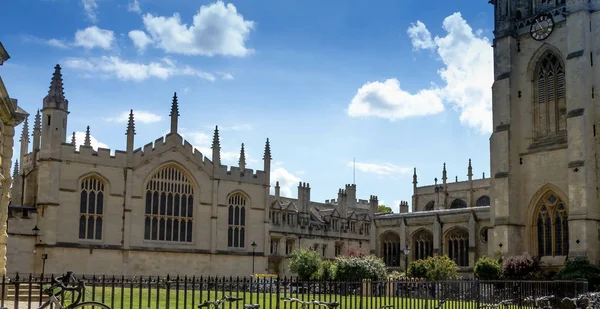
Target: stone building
[
  {"x": 11, "y": 115},
  {"x": 543, "y": 189},
  {"x": 164, "y": 208},
  {"x": 449, "y": 218}
]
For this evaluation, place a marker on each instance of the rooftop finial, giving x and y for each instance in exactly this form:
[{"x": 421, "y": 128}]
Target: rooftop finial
[
  {"x": 131, "y": 123},
  {"x": 242, "y": 162},
  {"x": 267, "y": 155},
  {"x": 16, "y": 170},
  {"x": 25, "y": 132},
  {"x": 73, "y": 140},
  {"x": 444, "y": 176},
  {"x": 56, "y": 93},
  {"x": 37, "y": 124},
  {"x": 87, "y": 141},
  {"x": 216, "y": 147},
  {"x": 174, "y": 113},
  {"x": 470, "y": 170}
]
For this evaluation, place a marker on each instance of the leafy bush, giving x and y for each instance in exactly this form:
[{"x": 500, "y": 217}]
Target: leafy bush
[
  {"x": 355, "y": 268},
  {"x": 581, "y": 268},
  {"x": 522, "y": 266},
  {"x": 417, "y": 269},
  {"x": 326, "y": 271},
  {"x": 305, "y": 263},
  {"x": 488, "y": 269},
  {"x": 395, "y": 275},
  {"x": 433, "y": 268}
]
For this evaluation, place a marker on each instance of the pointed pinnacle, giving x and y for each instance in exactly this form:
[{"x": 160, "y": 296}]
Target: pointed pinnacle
[
  {"x": 87, "y": 141},
  {"x": 444, "y": 166},
  {"x": 174, "y": 106},
  {"x": 73, "y": 140},
  {"x": 242, "y": 162},
  {"x": 131, "y": 123},
  {"x": 37, "y": 125},
  {"x": 216, "y": 143},
  {"x": 16, "y": 170},
  {"x": 25, "y": 132},
  {"x": 415, "y": 172},
  {"x": 56, "y": 92},
  {"x": 469, "y": 162},
  {"x": 267, "y": 154}
]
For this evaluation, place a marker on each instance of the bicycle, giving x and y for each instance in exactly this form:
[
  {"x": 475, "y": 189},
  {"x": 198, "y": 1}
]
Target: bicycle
[
  {"x": 302, "y": 303},
  {"x": 227, "y": 298},
  {"x": 327, "y": 304},
  {"x": 61, "y": 283}
]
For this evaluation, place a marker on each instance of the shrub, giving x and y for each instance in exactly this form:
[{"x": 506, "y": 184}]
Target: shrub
[
  {"x": 394, "y": 275},
  {"x": 581, "y": 268},
  {"x": 433, "y": 268},
  {"x": 488, "y": 269},
  {"x": 326, "y": 271},
  {"x": 522, "y": 266},
  {"x": 305, "y": 263},
  {"x": 355, "y": 268}
]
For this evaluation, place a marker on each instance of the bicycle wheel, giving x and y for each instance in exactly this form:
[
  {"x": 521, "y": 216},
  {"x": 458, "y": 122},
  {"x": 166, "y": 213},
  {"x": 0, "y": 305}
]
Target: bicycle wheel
[{"x": 90, "y": 305}]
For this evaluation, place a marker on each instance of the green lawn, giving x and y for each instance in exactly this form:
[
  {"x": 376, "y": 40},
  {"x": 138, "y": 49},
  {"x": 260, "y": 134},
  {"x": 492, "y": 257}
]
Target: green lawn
[{"x": 135, "y": 298}]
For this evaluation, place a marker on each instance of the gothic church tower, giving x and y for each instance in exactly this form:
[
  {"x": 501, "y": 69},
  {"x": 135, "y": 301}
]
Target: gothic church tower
[{"x": 544, "y": 144}]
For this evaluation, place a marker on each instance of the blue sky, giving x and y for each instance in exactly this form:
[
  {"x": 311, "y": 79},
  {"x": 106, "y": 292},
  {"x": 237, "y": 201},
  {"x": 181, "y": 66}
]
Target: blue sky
[{"x": 395, "y": 84}]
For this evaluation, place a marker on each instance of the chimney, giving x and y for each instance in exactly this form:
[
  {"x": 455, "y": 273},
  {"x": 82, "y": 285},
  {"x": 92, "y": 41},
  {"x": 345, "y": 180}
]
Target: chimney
[
  {"x": 403, "y": 207},
  {"x": 277, "y": 191}
]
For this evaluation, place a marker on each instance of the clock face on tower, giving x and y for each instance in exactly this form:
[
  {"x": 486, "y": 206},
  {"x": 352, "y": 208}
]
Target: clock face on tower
[{"x": 541, "y": 27}]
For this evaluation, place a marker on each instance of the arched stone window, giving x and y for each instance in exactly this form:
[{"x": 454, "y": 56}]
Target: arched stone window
[
  {"x": 552, "y": 226},
  {"x": 91, "y": 208},
  {"x": 483, "y": 201},
  {"x": 236, "y": 218},
  {"x": 390, "y": 249},
  {"x": 169, "y": 206},
  {"x": 458, "y": 203},
  {"x": 429, "y": 206},
  {"x": 457, "y": 243},
  {"x": 423, "y": 245},
  {"x": 550, "y": 107}
]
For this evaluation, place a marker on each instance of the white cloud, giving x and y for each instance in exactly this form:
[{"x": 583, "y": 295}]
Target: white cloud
[
  {"x": 388, "y": 100},
  {"x": 139, "y": 116},
  {"x": 92, "y": 37},
  {"x": 133, "y": 71},
  {"x": 134, "y": 6},
  {"x": 51, "y": 42},
  {"x": 235, "y": 127},
  {"x": 90, "y": 7},
  {"x": 380, "y": 169},
  {"x": 80, "y": 139},
  {"x": 467, "y": 71},
  {"x": 140, "y": 39},
  {"x": 203, "y": 142},
  {"x": 57, "y": 43},
  {"x": 287, "y": 181},
  {"x": 217, "y": 29}
]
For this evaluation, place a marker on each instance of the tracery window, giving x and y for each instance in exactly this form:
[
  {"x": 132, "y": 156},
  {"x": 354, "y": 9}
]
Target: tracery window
[
  {"x": 91, "y": 208},
  {"x": 423, "y": 242},
  {"x": 457, "y": 243},
  {"x": 391, "y": 249},
  {"x": 552, "y": 226},
  {"x": 429, "y": 206},
  {"x": 458, "y": 203},
  {"x": 169, "y": 206},
  {"x": 236, "y": 233},
  {"x": 483, "y": 201},
  {"x": 550, "y": 107}
]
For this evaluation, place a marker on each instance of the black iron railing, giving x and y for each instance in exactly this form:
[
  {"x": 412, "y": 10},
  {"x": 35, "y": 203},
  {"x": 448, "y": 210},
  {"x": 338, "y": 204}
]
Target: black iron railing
[{"x": 186, "y": 292}]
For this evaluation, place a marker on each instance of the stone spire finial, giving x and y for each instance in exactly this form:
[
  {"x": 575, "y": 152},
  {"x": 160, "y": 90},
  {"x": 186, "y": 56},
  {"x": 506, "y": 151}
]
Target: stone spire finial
[
  {"x": 216, "y": 147},
  {"x": 87, "y": 141},
  {"x": 415, "y": 176},
  {"x": 435, "y": 180},
  {"x": 37, "y": 130},
  {"x": 242, "y": 162},
  {"x": 483, "y": 175},
  {"x": 131, "y": 124},
  {"x": 174, "y": 113},
  {"x": 267, "y": 155},
  {"x": 25, "y": 132},
  {"x": 444, "y": 174},
  {"x": 16, "y": 170},
  {"x": 470, "y": 170},
  {"x": 456, "y": 179},
  {"x": 56, "y": 93},
  {"x": 73, "y": 140}
]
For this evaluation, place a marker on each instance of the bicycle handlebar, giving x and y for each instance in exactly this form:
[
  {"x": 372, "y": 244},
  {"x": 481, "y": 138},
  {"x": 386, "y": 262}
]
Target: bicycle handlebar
[
  {"x": 219, "y": 301},
  {"x": 62, "y": 282}
]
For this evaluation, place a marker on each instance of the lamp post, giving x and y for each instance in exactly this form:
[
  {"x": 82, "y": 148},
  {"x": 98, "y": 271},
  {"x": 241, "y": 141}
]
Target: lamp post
[
  {"x": 253, "y": 254},
  {"x": 406, "y": 253},
  {"x": 35, "y": 231}
]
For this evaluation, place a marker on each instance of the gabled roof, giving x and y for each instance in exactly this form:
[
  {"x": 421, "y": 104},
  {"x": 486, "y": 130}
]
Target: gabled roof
[{"x": 3, "y": 54}]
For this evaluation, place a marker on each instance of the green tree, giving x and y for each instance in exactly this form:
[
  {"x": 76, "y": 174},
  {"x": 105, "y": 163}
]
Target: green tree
[
  {"x": 433, "y": 268},
  {"x": 581, "y": 268},
  {"x": 326, "y": 271},
  {"x": 305, "y": 263},
  {"x": 488, "y": 269},
  {"x": 356, "y": 268},
  {"x": 384, "y": 209}
]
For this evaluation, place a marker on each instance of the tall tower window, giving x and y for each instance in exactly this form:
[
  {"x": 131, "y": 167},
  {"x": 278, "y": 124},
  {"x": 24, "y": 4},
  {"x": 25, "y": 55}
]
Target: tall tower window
[
  {"x": 91, "y": 208},
  {"x": 169, "y": 206},
  {"x": 457, "y": 243},
  {"x": 390, "y": 249},
  {"x": 550, "y": 108},
  {"x": 236, "y": 233}
]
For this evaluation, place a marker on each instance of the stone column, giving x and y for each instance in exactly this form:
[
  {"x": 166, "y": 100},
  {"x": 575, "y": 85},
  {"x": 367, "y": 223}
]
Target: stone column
[
  {"x": 437, "y": 237},
  {"x": 7, "y": 152},
  {"x": 472, "y": 240}
]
